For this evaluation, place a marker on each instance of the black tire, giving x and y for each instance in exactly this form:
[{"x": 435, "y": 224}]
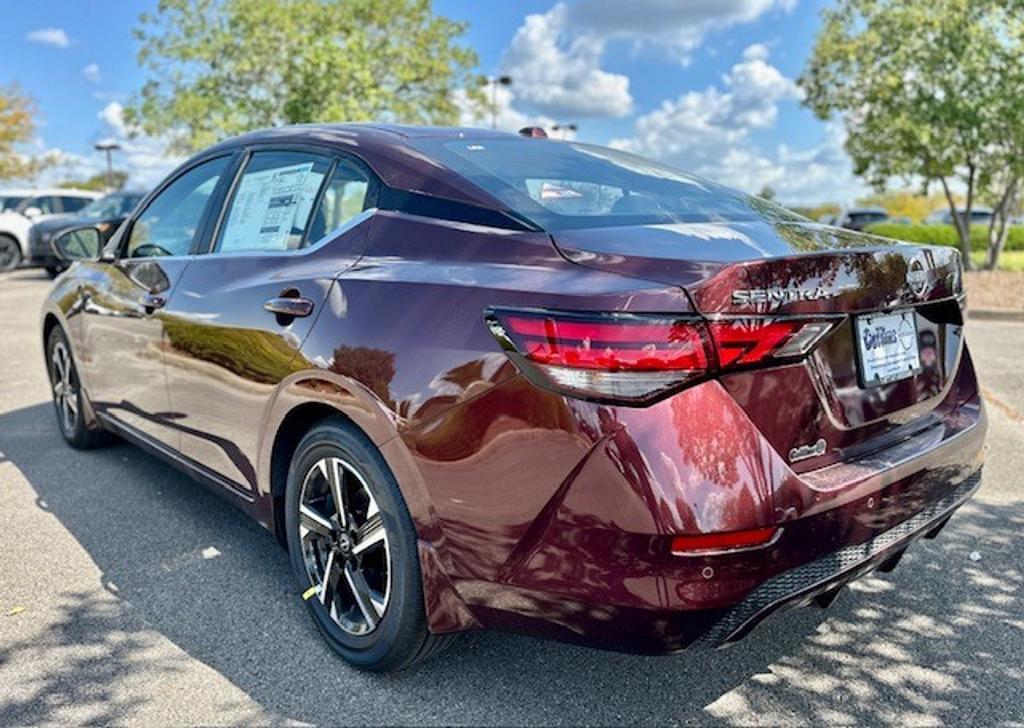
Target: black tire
[
  {"x": 68, "y": 403},
  {"x": 10, "y": 253},
  {"x": 54, "y": 270},
  {"x": 400, "y": 637}
]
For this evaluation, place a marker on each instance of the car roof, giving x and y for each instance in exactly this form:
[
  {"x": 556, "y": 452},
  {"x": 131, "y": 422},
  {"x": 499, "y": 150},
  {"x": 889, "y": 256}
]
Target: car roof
[
  {"x": 389, "y": 151},
  {"x": 866, "y": 211},
  {"x": 58, "y": 191}
]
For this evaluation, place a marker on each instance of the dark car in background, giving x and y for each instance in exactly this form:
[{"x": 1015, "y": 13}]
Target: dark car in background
[
  {"x": 473, "y": 380},
  {"x": 105, "y": 214},
  {"x": 860, "y": 218}
]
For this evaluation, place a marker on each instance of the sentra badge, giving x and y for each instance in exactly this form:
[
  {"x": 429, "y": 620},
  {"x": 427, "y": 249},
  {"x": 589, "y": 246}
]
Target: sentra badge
[{"x": 754, "y": 296}]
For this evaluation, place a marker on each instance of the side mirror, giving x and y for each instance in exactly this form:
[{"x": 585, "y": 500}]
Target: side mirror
[
  {"x": 32, "y": 212},
  {"x": 82, "y": 243}
]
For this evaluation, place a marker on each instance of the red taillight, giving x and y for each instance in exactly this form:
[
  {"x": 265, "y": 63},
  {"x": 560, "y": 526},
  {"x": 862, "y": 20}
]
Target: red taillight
[
  {"x": 634, "y": 358},
  {"x": 623, "y": 344},
  {"x": 728, "y": 541},
  {"x": 606, "y": 357},
  {"x": 750, "y": 341}
]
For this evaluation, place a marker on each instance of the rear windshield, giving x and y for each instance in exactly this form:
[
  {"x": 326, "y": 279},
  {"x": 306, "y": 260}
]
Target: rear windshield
[{"x": 562, "y": 185}]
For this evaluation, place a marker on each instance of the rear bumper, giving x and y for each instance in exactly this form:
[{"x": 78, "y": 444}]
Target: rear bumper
[{"x": 826, "y": 575}]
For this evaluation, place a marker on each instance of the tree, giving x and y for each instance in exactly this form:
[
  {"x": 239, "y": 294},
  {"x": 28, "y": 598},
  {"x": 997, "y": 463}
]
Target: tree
[
  {"x": 17, "y": 127},
  {"x": 767, "y": 193},
  {"x": 929, "y": 90},
  {"x": 222, "y": 67},
  {"x": 98, "y": 182}
]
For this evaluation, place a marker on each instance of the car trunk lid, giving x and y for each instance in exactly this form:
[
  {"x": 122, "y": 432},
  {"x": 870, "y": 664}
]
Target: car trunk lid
[{"x": 824, "y": 408}]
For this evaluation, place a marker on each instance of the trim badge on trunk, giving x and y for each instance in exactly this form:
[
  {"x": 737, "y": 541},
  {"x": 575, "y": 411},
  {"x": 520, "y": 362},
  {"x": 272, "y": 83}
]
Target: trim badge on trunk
[{"x": 803, "y": 452}]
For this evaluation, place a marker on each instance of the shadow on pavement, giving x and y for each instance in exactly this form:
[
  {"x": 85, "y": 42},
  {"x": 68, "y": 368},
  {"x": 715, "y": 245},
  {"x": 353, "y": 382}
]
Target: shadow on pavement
[{"x": 933, "y": 639}]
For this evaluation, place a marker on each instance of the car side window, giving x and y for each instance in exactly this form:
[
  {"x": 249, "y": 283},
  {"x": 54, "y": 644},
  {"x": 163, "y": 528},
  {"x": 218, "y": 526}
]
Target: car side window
[
  {"x": 272, "y": 203},
  {"x": 171, "y": 220},
  {"x": 47, "y": 204},
  {"x": 343, "y": 199},
  {"x": 73, "y": 204}
]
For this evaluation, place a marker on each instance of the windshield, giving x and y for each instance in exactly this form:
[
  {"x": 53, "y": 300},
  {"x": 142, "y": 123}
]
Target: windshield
[
  {"x": 10, "y": 202},
  {"x": 110, "y": 206},
  {"x": 561, "y": 185}
]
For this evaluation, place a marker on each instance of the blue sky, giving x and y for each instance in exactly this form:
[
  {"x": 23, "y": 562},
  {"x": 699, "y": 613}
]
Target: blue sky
[{"x": 705, "y": 84}]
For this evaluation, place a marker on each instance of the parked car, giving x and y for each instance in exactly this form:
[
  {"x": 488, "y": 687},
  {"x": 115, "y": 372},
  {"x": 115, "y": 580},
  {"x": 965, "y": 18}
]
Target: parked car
[
  {"x": 9, "y": 199},
  {"x": 473, "y": 380},
  {"x": 979, "y": 216},
  {"x": 860, "y": 218},
  {"x": 105, "y": 214},
  {"x": 31, "y": 207}
]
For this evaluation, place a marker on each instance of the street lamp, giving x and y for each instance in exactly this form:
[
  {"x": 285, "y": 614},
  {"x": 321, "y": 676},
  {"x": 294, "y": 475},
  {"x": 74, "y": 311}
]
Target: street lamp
[
  {"x": 566, "y": 128},
  {"x": 108, "y": 147},
  {"x": 495, "y": 81}
]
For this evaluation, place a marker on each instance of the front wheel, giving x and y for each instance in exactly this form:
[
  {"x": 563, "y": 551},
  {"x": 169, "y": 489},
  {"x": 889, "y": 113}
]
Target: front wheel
[
  {"x": 10, "y": 253},
  {"x": 353, "y": 550}
]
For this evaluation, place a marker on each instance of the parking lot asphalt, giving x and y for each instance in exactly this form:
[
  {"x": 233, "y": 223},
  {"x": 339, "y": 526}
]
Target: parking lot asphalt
[{"x": 128, "y": 593}]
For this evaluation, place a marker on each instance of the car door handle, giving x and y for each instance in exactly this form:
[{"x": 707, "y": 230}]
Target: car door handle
[
  {"x": 288, "y": 307},
  {"x": 152, "y": 301}
]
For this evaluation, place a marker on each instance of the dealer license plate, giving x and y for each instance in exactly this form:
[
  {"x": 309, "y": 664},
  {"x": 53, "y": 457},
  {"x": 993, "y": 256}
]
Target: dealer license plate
[{"x": 887, "y": 347}]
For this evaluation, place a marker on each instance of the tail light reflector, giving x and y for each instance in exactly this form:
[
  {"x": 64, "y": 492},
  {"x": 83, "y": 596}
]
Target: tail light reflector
[
  {"x": 634, "y": 358},
  {"x": 726, "y": 541}
]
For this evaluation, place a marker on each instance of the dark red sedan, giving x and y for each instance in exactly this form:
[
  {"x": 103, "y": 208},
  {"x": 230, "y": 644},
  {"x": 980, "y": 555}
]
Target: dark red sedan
[{"x": 474, "y": 380}]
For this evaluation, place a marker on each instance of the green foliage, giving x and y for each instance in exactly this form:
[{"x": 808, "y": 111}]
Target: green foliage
[
  {"x": 223, "y": 67},
  {"x": 17, "y": 126},
  {"x": 930, "y": 90},
  {"x": 98, "y": 182},
  {"x": 945, "y": 235}
]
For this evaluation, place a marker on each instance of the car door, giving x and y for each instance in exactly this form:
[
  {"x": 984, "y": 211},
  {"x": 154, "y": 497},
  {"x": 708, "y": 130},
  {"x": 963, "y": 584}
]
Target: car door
[
  {"x": 122, "y": 322},
  {"x": 238, "y": 317}
]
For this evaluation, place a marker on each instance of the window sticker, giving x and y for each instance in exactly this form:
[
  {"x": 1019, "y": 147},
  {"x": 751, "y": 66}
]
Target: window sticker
[{"x": 270, "y": 207}]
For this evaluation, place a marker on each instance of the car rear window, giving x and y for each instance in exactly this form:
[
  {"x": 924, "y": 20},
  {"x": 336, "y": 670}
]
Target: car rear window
[{"x": 562, "y": 185}]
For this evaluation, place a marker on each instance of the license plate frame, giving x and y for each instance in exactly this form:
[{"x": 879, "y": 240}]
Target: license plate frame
[{"x": 888, "y": 349}]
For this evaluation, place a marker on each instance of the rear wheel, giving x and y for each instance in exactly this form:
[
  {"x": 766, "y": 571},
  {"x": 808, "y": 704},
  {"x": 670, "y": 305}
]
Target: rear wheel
[
  {"x": 67, "y": 394},
  {"x": 10, "y": 253},
  {"x": 353, "y": 551}
]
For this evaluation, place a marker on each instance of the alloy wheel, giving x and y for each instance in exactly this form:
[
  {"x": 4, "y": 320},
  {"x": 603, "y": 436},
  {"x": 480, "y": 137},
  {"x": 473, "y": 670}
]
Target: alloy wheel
[
  {"x": 65, "y": 386},
  {"x": 345, "y": 545}
]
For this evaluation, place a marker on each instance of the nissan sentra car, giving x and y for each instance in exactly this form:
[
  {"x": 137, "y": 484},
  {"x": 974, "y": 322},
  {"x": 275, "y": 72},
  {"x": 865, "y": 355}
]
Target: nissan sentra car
[{"x": 473, "y": 380}]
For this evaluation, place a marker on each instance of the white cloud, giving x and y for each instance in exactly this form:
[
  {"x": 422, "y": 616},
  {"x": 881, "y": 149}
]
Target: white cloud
[
  {"x": 720, "y": 117},
  {"x": 679, "y": 26},
  {"x": 709, "y": 132},
  {"x": 142, "y": 157},
  {"x": 555, "y": 58},
  {"x": 91, "y": 72},
  {"x": 561, "y": 75},
  {"x": 506, "y": 117},
  {"x": 50, "y": 36}
]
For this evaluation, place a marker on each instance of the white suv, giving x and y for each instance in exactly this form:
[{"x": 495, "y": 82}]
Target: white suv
[{"x": 19, "y": 209}]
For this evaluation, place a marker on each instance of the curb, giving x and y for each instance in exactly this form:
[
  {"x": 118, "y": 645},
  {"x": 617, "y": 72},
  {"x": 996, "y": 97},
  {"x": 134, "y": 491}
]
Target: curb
[{"x": 995, "y": 314}]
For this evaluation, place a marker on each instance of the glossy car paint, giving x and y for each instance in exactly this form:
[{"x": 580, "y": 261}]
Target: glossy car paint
[{"x": 536, "y": 512}]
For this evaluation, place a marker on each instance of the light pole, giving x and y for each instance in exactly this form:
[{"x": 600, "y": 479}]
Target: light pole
[
  {"x": 495, "y": 81},
  {"x": 565, "y": 129},
  {"x": 108, "y": 147}
]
